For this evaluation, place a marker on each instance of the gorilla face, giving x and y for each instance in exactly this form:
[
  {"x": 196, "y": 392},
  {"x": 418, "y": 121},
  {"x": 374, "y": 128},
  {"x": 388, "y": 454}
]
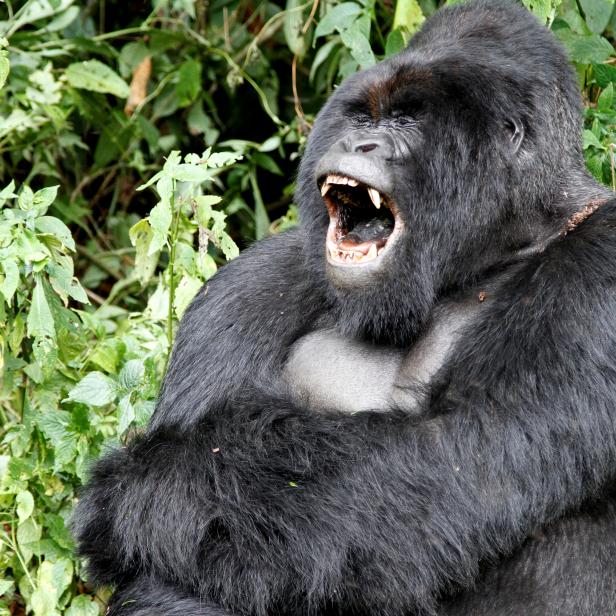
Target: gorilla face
[{"x": 439, "y": 164}]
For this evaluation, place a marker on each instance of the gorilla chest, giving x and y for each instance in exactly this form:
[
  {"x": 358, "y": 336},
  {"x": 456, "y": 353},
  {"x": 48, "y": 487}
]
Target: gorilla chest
[{"x": 328, "y": 371}]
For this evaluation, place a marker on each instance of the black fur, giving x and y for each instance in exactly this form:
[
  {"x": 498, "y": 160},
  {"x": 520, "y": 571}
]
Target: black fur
[{"x": 239, "y": 500}]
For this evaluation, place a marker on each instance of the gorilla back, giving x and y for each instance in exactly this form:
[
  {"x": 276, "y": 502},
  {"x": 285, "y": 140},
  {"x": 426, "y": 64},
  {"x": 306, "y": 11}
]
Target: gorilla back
[{"x": 407, "y": 405}]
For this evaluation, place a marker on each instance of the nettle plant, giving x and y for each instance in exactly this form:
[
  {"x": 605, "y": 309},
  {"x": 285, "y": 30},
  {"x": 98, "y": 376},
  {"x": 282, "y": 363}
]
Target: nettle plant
[{"x": 76, "y": 378}]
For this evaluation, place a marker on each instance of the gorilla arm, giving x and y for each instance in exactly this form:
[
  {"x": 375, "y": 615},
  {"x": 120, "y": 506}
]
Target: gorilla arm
[{"x": 256, "y": 505}]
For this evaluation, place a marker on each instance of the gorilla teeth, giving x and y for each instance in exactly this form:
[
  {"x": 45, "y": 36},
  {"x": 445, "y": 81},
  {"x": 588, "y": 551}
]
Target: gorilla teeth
[
  {"x": 337, "y": 179},
  {"x": 375, "y": 197},
  {"x": 354, "y": 256}
]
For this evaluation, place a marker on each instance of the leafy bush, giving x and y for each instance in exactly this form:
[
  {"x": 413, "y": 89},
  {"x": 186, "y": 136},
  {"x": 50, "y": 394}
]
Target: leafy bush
[{"x": 107, "y": 232}]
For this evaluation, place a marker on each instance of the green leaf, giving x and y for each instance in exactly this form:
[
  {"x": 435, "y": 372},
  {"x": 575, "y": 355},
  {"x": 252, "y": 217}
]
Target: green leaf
[
  {"x": 161, "y": 215},
  {"x": 395, "y": 43},
  {"x": 408, "y": 15},
  {"x": 126, "y": 415},
  {"x": 606, "y": 99},
  {"x": 7, "y": 586},
  {"x": 141, "y": 235},
  {"x": 95, "y": 389},
  {"x": 359, "y": 46},
  {"x": 589, "y": 139},
  {"x": 45, "y": 197},
  {"x": 97, "y": 77},
  {"x": 267, "y": 162},
  {"x": 292, "y": 27},
  {"x": 54, "y": 425},
  {"x": 585, "y": 49},
  {"x": 338, "y": 18},
  {"x": 191, "y": 173},
  {"x": 25, "y": 505},
  {"x": 40, "y": 322},
  {"x": 8, "y": 192},
  {"x": 597, "y": 13},
  {"x": 541, "y": 8},
  {"x": 229, "y": 247},
  {"x": 83, "y": 605},
  {"x": 187, "y": 288},
  {"x": 9, "y": 284},
  {"x": 52, "y": 580},
  {"x": 54, "y": 226},
  {"x": 603, "y": 74},
  {"x": 189, "y": 82},
  {"x": 5, "y": 67},
  {"x": 132, "y": 373},
  {"x": 25, "y": 201},
  {"x": 28, "y": 532}
]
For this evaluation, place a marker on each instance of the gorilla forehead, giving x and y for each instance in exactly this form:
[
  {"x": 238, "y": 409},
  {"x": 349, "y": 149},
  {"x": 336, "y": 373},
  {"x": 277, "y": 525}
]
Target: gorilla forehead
[{"x": 492, "y": 56}]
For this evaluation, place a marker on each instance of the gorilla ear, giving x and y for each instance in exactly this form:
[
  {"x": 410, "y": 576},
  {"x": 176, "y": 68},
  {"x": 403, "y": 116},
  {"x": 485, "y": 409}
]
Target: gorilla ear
[{"x": 515, "y": 131}]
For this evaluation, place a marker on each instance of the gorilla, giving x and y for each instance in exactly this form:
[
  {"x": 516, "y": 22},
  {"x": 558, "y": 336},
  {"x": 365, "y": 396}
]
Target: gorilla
[{"x": 407, "y": 405}]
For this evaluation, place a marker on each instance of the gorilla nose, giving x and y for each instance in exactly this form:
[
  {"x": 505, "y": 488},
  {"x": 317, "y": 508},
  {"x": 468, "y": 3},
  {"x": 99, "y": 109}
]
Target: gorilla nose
[{"x": 374, "y": 145}]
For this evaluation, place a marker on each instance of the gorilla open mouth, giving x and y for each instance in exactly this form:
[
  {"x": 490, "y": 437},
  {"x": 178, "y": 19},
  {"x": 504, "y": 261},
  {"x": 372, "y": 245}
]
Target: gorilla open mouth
[{"x": 363, "y": 222}]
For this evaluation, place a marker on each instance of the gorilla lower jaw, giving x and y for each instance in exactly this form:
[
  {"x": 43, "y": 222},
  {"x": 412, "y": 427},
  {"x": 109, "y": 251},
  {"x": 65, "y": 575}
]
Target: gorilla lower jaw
[{"x": 364, "y": 222}]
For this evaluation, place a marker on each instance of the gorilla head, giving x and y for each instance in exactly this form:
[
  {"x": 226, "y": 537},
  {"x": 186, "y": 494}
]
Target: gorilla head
[{"x": 432, "y": 168}]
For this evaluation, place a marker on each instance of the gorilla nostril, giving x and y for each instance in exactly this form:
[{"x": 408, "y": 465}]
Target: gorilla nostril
[{"x": 366, "y": 147}]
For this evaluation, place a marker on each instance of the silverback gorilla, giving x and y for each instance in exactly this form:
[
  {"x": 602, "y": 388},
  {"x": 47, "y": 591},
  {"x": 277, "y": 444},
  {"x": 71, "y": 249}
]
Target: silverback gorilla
[{"x": 406, "y": 406}]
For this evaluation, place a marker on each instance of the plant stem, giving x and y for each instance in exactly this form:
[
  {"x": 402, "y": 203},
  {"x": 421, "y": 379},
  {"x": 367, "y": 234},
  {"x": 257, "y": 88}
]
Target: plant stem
[{"x": 171, "y": 269}]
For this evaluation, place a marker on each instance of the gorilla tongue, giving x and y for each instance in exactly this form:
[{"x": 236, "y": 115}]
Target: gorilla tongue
[{"x": 366, "y": 233}]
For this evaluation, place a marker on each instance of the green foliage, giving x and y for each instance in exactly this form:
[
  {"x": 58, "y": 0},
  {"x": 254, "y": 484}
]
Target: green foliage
[{"x": 107, "y": 232}]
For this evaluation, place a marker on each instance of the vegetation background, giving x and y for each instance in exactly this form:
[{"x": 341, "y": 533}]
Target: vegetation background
[{"x": 142, "y": 143}]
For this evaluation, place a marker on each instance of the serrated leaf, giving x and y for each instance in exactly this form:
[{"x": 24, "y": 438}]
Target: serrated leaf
[
  {"x": 8, "y": 285},
  {"x": 585, "y": 49},
  {"x": 222, "y": 159},
  {"x": 95, "y": 76},
  {"x": 359, "y": 46},
  {"x": 395, "y": 43},
  {"x": 229, "y": 247},
  {"x": 292, "y": 27},
  {"x": 126, "y": 415},
  {"x": 187, "y": 288},
  {"x": 603, "y": 74},
  {"x": 45, "y": 197},
  {"x": 7, "y": 586},
  {"x": 5, "y": 67},
  {"x": 606, "y": 99},
  {"x": 191, "y": 173},
  {"x": 141, "y": 235},
  {"x": 589, "y": 139},
  {"x": 25, "y": 201},
  {"x": 189, "y": 82},
  {"x": 95, "y": 389},
  {"x": 27, "y": 533},
  {"x": 83, "y": 605},
  {"x": 408, "y": 15},
  {"x": 54, "y": 226},
  {"x": 597, "y": 13},
  {"x": 25, "y": 505},
  {"x": 52, "y": 580},
  {"x": 54, "y": 425},
  {"x": 40, "y": 322},
  {"x": 8, "y": 192},
  {"x": 338, "y": 18},
  {"x": 132, "y": 373}
]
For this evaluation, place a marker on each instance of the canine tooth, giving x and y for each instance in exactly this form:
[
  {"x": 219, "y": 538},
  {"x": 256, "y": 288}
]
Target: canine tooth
[
  {"x": 375, "y": 197},
  {"x": 325, "y": 188},
  {"x": 352, "y": 182},
  {"x": 380, "y": 250},
  {"x": 372, "y": 252}
]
